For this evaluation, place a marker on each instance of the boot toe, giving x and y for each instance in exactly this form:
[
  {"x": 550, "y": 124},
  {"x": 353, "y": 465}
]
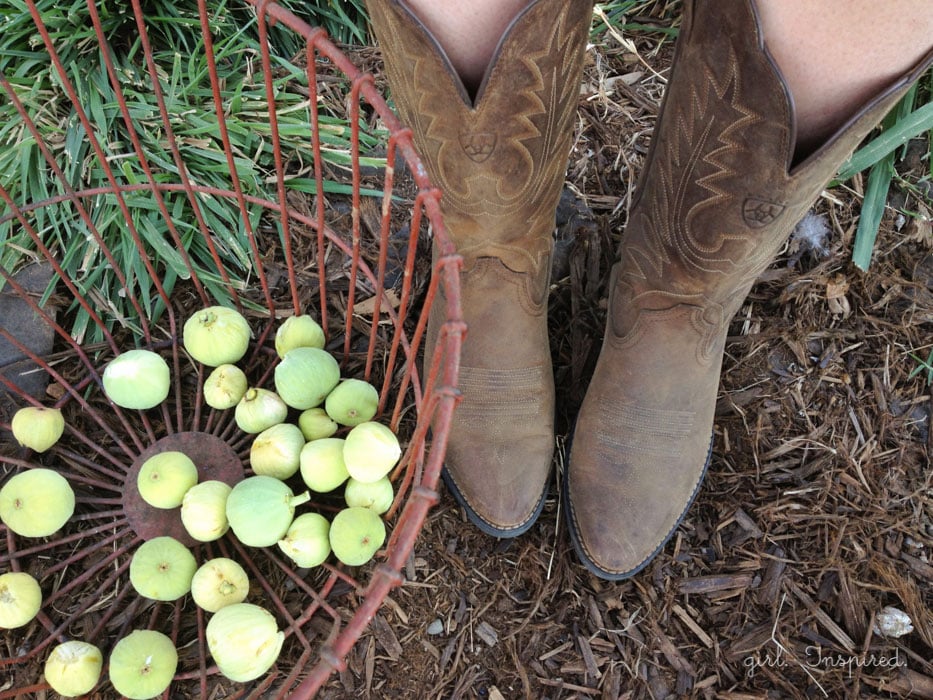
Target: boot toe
[
  {"x": 501, "y": 484},
  {"x": 617, "y": 532}
]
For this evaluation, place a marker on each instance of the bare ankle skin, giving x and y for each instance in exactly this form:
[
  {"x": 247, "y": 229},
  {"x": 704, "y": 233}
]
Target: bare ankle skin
[
  {"x": 468, "y": 31},
  {"x": 835, "y": 54}
]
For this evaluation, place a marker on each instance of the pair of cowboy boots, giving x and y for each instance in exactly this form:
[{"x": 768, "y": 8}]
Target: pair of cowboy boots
[{"x": 720, "y": 193}]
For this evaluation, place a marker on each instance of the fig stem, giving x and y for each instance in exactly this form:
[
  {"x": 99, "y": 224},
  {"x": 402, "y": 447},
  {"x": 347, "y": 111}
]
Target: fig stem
[{"x": 299, "y": 499}]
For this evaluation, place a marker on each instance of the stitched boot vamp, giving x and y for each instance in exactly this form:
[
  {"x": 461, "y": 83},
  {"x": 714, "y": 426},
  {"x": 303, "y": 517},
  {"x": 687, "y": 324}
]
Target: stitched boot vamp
[
  {"x": 642, "y": 437},
  {"x": 501, "y": 444}
]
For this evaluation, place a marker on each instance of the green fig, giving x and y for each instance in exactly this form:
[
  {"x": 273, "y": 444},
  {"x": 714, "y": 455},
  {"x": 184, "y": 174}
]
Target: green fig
[
  {"x": 356, "y": 534},
  {"x": 137, "y": 379},
  {"x": 352, "y": 402},
  {"x": 316, "y": 424},
  {"x": 216, "y": 336},
  {"x": 224, "y": 387},
  {"x": 306, "y": 543},
  {"x": 305, "y": 377},
  {"x": 142, "y": 664},
  {"x": 162, "y": 568},
  {"x": 165, "y": 478},
  {"x": 276, "y": 450},
  {"x": 322, "y": 466},
  {"x": 259, "y": 409},
  {"x": 73, "y": 668},
  {"x": 37, "y": 427},
  {"x": 370, "y": 451},
  {"x": 36, "y": 502},
  {"x": 20, "y": 599},
  {"x": 298, "y": 332},
  {"x": 219, "y": 582},
  {"x": 375, "y": 495}
]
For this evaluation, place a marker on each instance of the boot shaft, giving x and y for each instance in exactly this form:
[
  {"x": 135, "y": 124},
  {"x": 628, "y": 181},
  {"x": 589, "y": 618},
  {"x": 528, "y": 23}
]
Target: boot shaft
[
  {"x": 499, "y": 157},
  {"x": 720, "y": 193}
]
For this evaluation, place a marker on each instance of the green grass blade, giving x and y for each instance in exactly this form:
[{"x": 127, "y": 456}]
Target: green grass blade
[
  {"x": 880, "y": 176},
  {"x": 876, "y": 197},
  {"x": 914, "y": 124}
]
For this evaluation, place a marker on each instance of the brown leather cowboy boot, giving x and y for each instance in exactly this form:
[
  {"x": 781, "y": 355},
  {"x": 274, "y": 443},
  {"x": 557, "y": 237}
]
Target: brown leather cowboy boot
[
  {"x": 499, "y": 158},
  {"x": 719, "y": 196}
]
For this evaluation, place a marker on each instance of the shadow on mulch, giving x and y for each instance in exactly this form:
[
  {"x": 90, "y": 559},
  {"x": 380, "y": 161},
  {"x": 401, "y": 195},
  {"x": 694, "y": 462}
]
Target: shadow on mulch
[{"x": 816, "y": 513}]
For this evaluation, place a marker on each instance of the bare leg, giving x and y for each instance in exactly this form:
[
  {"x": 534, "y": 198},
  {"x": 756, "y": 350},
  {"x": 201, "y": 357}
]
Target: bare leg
[
  {"x": 835, "y": 54},
  {"x": 468, "y": 30}
]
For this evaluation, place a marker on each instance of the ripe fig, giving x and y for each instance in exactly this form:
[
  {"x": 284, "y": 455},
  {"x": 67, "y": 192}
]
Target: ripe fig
[
  {"x": 305, "y": 377},
  {"x": 36, "y": 502},
  {"x": 37, "y": 427},
  {"x": 356, "y": 534},
  {"x": 370, "y": 451},
  {"x": 316, "y": 424},
  {"x": 322, "y": 466},
  {"x": 165, "y": 478},
  {"x": 142, "y": 664},
  {"x": 298, "y": 332},
  {"x": 162, "y": 568},
  {"x": 352, "y": 402}
]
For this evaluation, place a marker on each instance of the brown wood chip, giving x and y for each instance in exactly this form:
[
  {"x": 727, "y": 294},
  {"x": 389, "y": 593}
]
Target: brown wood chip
[
  {"x": 386, "y": 637},
  {"x": 710, "y": 584},
  {"x": 692, "y": 624},
  {"x": 919, "y": 567},
  {"x": 487, "y": 633},
  {"x": 825, "y": 620},
  {"x": 586, "y": 652}
]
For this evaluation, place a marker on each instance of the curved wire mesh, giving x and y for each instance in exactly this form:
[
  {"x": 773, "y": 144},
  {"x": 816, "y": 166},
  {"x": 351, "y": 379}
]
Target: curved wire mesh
[{"x": 331, "y": 234}]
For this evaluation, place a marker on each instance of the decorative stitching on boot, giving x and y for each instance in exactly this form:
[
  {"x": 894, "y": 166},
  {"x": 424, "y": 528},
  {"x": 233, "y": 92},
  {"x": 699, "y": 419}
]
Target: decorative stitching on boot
[
  {"x": 516, "y": 392},
  {"x": 644, "y": 430}
]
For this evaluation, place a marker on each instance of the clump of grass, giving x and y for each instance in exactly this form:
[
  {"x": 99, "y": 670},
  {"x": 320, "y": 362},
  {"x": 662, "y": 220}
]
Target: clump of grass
[
  {"x": 344, "y": 20},
  {"x": 627, "y": 17},
  {"x": 174, "y": 30},
  {"x": 911, "y": 118}
]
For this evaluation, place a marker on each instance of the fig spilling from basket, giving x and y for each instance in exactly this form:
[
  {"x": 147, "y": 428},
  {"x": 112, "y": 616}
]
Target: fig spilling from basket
[
  {"x": 20, "y": 599},
  {"x": 38, "y": 427},
  {"x": 261, "y": 510},
  {"x": 142, "y": 664},
  {"x": 73, "y": 668}
]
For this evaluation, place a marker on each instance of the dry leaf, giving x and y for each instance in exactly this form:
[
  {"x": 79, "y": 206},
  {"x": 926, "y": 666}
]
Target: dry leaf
[
  {"x": 920, "y": 227},
  {"x": 367, "y": 306}
]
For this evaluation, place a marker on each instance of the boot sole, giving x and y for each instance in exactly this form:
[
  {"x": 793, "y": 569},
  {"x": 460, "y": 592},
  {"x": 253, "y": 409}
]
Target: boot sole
[
  {"x": 484, "y": 525},
  {"x": 592, "y": 566}
]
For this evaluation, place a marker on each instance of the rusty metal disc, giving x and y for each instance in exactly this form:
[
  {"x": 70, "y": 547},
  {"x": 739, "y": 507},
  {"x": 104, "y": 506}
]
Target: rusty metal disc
[{"x": 215, "y": 460}]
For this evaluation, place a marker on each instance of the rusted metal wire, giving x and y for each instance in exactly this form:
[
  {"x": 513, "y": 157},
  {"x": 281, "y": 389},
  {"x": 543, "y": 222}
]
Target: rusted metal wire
[{"x": 83, "y": 569}]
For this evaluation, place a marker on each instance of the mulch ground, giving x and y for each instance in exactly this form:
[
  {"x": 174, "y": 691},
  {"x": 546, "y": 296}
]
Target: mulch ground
[{"x": 817, "y": 511}]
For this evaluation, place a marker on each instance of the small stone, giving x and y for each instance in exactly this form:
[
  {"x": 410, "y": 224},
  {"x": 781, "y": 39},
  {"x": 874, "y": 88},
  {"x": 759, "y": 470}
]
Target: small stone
[
  {"x": 891, "y": 622},
  {"x": 436, "y": 627}
]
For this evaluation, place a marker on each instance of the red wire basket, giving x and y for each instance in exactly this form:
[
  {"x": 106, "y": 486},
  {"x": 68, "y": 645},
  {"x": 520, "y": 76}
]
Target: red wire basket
[{"x": 352, "y": 256}]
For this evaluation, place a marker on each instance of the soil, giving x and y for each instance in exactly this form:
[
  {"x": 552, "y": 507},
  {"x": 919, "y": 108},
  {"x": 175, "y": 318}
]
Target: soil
[{"x": 817, "y": 511}]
